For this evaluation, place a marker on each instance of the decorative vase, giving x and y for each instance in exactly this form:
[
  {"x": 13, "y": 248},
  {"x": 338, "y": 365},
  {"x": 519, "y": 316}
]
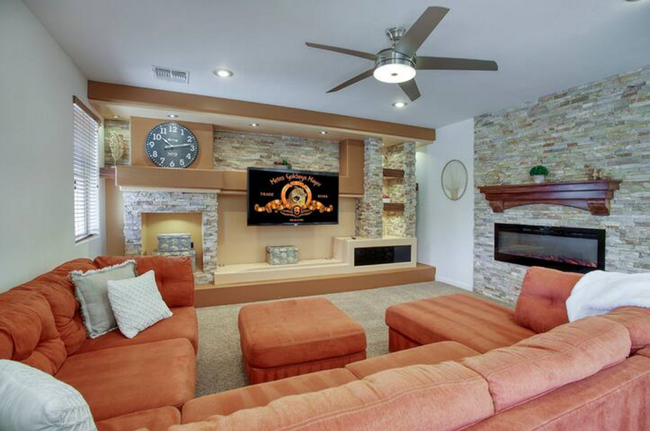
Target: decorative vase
[{"x": 539, "y": 179}]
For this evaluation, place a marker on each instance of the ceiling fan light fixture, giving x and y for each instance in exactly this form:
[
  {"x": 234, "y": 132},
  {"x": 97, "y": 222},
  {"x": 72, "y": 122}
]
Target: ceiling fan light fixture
[
  {"x": 393, "y": 67},
  {"x": 399, "y": 105},
  {"x": 395, "y": 73}
]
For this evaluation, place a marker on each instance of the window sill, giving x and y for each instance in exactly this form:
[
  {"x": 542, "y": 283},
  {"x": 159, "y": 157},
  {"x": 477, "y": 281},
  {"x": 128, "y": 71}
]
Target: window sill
[{"x": 87, "y": 239}]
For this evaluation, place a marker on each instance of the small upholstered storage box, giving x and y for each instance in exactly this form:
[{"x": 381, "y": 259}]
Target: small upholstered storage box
[
  {"x": 174, "y": 242},
  {"x": 281, "y": 254}
]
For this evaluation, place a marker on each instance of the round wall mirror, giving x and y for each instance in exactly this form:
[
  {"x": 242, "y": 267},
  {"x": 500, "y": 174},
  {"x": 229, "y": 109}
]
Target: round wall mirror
[{"x": 454, "y": 180}]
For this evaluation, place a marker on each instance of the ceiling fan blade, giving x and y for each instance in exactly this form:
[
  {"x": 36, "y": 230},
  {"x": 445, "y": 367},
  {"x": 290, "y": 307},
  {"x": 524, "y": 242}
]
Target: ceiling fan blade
[
  {"x": 360, "y": 77},
  {"x": 418, "y": 33},
  {"x": 352, "y": 52},
  {"x": 411, "y": 89},
  {"x": 444, "y": 63}
]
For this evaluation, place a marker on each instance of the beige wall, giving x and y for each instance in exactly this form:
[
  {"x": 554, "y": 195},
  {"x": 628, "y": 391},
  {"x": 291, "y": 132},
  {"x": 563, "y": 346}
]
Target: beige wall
[
  {"x": 37, "y": 82},
  {"x": 239, "y": 243},
  {"x": 114, "y": 219}
]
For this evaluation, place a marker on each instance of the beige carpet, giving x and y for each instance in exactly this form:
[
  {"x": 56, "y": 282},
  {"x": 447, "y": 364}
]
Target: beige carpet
[{"x": 220, "y": 366}]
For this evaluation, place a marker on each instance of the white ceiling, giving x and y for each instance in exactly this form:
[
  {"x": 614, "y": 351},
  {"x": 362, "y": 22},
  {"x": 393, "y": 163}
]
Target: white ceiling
[{"x": 542, "y": 46}]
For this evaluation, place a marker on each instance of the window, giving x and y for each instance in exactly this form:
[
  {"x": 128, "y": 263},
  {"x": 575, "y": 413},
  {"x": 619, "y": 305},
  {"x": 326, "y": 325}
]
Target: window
[{"x": 86, "y": 171}]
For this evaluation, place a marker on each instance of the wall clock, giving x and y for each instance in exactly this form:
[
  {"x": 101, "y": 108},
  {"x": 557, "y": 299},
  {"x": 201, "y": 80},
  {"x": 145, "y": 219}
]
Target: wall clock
[{"x": 172, "y": 145}]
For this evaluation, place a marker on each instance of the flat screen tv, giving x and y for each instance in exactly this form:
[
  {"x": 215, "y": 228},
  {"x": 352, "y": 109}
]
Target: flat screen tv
[{"x": 290, "y": 197}]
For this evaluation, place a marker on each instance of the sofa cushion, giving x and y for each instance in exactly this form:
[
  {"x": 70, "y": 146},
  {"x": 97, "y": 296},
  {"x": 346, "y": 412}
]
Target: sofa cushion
[
  {"x": 183, "y": 324},
  {"x": 57, "y": 288},
  {"x": 296, "y": 331},
  {"x": 128, "y": 379},
  {"x": 225, "y": 403},
  {"x": 159, "y": 419},
  {"x": 174, "y": 275},
  {"x": 613, "y": 399},
  {"x": 637, "y": 322},
  {"x": 28, "y": 333},
  {"x": 427, "y": 354},
  {"x": 542, "y": 302},
  {"x": 446, "y": 396},
  {"x": 471, "y": 321},
  {"x": 551, "y": 360}
]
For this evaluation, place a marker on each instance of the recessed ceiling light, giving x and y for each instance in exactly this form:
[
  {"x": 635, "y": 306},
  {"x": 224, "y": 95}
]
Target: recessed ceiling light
[
  {"x": 399, "y": 104},
  {"x": 223, "y": 73},
  {"x": 323, "y": 132},
  {"x": 254, "y": 125},
  {"x": 172, "y": 115},
  {"x": 115, "y": 117}
]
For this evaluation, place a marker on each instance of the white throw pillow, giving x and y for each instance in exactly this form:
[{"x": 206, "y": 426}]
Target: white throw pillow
[
  {"x": 33, "y": 400},
  {"x": 137, "y": 303}
]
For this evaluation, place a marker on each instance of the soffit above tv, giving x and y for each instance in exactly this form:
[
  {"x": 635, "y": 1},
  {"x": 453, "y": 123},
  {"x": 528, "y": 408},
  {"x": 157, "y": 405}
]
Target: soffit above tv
[{"x": 125, "y": 101}]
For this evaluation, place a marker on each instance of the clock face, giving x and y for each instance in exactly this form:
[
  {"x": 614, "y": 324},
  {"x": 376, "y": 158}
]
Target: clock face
[{"x": 172, "y": 145}]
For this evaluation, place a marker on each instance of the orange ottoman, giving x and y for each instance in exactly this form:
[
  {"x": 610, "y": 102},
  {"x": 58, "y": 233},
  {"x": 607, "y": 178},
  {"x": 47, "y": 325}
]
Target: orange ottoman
[{"x": 288, "y": 338}]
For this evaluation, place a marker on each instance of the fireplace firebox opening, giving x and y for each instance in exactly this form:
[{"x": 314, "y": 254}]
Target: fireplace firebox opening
[{"x": 564, "y": 248}]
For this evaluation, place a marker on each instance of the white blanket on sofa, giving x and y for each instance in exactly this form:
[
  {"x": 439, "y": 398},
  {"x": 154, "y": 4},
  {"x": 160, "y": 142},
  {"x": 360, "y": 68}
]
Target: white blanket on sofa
[{"x": 600, "y": 292}]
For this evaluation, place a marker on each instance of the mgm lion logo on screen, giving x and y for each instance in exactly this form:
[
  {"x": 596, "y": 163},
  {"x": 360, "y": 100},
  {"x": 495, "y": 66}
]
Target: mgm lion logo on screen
[{"x": 295, "y": 201}]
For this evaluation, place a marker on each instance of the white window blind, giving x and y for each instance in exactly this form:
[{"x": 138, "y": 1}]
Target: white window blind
[{"x": 86, "y": 174}]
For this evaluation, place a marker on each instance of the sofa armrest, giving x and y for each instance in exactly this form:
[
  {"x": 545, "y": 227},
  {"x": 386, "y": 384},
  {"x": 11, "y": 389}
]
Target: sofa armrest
[{"x": 173, "y": 275}]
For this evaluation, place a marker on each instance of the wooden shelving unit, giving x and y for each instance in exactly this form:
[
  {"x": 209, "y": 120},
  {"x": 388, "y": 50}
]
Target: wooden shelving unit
[
  {"x": 393, "y": 206},
  {"x": 393, "y": 173}
]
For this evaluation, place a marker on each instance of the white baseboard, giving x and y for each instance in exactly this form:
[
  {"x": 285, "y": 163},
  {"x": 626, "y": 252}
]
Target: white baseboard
[{"x": 455, "y": 283}]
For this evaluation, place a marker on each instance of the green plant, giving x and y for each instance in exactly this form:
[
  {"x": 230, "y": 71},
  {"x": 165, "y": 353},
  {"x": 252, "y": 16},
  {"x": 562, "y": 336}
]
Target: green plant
[{"x": 539, "y": 170}]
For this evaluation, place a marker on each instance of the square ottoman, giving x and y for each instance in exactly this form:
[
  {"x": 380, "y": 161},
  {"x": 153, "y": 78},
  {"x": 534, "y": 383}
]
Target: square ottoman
[{"x": 288, "y": 338}]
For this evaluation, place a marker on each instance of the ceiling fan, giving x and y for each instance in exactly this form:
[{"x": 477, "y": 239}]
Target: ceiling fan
[{"x": 399, "y": 63}]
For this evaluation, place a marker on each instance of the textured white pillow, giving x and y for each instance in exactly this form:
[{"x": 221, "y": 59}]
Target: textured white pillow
[
  {"x": 33, "y": 400},
  {"x": 137, "y": 303}
]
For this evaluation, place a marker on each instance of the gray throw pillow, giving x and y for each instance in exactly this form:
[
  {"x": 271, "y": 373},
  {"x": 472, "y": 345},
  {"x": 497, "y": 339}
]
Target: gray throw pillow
[{"x": 91, "y": 290}]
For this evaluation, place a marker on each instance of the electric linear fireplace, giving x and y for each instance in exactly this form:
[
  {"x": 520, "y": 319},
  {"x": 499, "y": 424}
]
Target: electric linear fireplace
[{"x": 563, "y": 248}]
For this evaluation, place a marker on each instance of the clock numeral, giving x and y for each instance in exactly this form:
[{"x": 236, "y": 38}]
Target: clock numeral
[
  {"x": 157, "y": 136},
  {"x": 172, "y": 164},
  {"x": 189, "y": 156},
  {"x": 182, "y": 132},
  {"x": 154, "y": 153},
  {"x": 163, "y": 130},
  {"x": 191, "y": 147},
  {"x": 173, "y": 128},
  {"x": 162, "y": 160},
  {"x": 182, "y": 162},
  {"x": 152, "y": 144}
]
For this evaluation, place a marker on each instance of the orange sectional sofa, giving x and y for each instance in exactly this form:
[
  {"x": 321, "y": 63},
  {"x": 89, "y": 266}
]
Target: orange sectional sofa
[
  {"x": 128, "y": 383},
  {"x": 468, "y": 364},
  {"x": 464, "y": 363}
]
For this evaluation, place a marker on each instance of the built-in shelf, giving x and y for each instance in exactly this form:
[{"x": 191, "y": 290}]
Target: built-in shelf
[
  {"x": 593, "y": 196},
  {"x": 393, "y": 206},
  {"x": 393, "y": 173}
]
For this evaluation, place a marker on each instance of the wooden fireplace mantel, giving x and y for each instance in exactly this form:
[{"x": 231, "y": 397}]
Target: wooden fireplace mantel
[{"x": 592, "y": 196}]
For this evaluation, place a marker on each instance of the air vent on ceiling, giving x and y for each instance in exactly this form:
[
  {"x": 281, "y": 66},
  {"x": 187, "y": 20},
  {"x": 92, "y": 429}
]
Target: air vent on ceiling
[{"x": 171, "y": 75}]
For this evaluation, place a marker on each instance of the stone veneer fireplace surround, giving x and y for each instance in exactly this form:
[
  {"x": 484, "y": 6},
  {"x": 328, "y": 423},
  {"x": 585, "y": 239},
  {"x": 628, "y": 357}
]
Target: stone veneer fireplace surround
[
  {"x": 603, "y": 125},
  {"x": 137, "y": 203}
]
